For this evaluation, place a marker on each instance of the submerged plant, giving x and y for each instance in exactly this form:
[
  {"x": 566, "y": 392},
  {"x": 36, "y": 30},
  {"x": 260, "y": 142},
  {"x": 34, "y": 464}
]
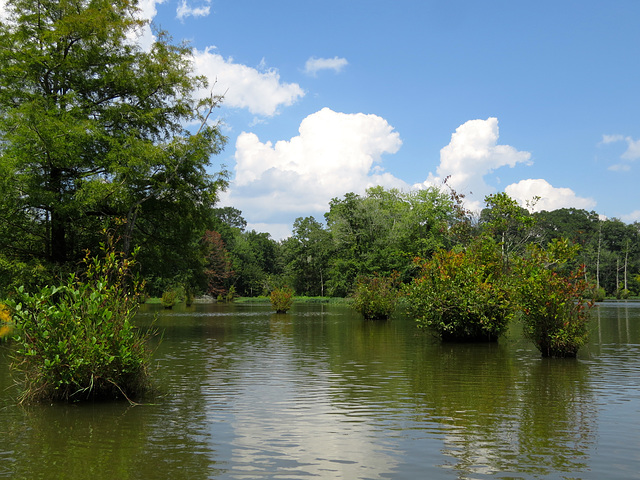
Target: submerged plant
[{"x": 77, "y": 341}]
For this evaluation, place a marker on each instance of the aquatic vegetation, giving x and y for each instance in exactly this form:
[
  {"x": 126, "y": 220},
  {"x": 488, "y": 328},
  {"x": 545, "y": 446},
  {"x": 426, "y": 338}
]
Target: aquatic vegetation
[
  {"x": 552, "y": 302},
  {"x": 376, "y": 297},
  {"x": 281, "y": 299},
  {"x": 77, "y": 340},
  {"x": 462, "y": 295}
]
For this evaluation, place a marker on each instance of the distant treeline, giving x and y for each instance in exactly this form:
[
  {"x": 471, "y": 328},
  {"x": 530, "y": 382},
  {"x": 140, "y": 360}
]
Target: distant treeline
[
  {"x": 380, "y": 232},
  {"x": 383, "y": 231}
]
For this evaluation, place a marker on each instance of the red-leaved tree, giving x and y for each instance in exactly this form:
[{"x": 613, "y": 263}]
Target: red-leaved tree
[{"x": 217, "y": 264}]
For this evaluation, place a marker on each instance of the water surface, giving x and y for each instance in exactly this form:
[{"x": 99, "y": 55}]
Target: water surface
[{"x": 318, "y": 392}]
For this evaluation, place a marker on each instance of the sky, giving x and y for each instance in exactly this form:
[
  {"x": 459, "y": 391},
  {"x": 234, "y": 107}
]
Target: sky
[{"x": 328, "y": 97}]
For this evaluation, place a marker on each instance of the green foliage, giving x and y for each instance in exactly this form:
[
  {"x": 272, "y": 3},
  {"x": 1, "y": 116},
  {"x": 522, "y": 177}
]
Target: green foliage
[
  {"x": 306, "y": 255},
  {"x": 623, "y": 293},
  {"x": 382, "y": 231},
  {"x": 5, "y": 322},
  {"x": 231, "y": 294},
  {"x": 255, "y": 259},
  {"x": 169, "y": 298},
  {"x": 93, "y": 128},
  {"x": 462, "y": 295},
  {"x": 554, "y": 312},
  {"x": 77, "y": 341},
  {"x": 376, "y": 297},
  {"x": 592, "y": 292},
  {"x": 281, "y": 299},
  {"x": 511, "y": 226},
  {"x": 189, "y": 296}
]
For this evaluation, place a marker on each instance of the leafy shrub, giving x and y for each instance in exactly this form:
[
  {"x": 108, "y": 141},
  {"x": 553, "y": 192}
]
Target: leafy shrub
[
  {"x": 592, "y": 292},
  {"x": 169, "y": 299},
  {"x": 554, "y": 311},
  {"x": 231, "y": 294},
  {"x": 462, "y": 295},
  {"x": 622, "y": 293},
  {"x": 5, "y": 320},
  {"x": 189, "y": 296},
  {"x": 281, "y": 299},
  {"x": 376, "y": 297},
  {"x": 77, "y": 340}
]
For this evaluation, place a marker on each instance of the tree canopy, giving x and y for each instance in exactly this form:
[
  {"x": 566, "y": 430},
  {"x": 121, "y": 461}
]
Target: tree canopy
[{"x": 93, "y": 128}]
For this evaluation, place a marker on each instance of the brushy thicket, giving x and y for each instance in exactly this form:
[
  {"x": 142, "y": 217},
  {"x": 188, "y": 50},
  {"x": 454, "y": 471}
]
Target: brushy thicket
[
  {"x": 462, "y": 295},
  {"x": 77, "y": 341},
  {"x": 376, "y": 297},
  {"x": 470, "y": 295},
  {"x": 552, "y": 302},
  {"x": 281, "y": 299},
  {"x": 5, "y": 320}
]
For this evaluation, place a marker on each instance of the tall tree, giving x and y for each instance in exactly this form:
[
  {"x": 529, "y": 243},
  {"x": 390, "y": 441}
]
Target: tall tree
[
  {"x": 508, "y": 223},
  {"x": 92, "y": 128},
  {"x": 382, "y": 231},
  {"x": 307, "y": 254}
]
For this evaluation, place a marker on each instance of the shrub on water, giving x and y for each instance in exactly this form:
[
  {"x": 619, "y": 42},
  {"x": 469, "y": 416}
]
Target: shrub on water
[
  {"x": 281, "y": 299},
  {"x": 462, "y": 295},
  {"x": 77, "y": 341},
  {"x": 168, "y": 299},
  {"x": 554, "y": 310},
  {"x": 376, "y": 297}
]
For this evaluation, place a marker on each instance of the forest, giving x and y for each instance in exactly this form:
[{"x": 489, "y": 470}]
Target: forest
[
  {"x": 383, "y": 231},
  {"x": 378, "y": 233}
]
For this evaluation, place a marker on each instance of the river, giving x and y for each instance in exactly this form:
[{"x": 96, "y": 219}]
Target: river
[{"x": 245, "y": 393}]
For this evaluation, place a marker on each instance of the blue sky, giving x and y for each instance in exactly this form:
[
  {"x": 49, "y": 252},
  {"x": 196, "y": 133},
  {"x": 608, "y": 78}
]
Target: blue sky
[{"x": 323, "y": 98}]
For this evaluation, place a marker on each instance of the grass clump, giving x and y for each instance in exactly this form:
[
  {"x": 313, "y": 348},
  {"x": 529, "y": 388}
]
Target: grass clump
[{"x": 77, "y": 341}]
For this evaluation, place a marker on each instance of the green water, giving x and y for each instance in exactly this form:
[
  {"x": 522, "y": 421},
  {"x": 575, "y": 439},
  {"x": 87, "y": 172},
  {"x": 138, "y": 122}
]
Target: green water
[{"x": 318, "y": 392}]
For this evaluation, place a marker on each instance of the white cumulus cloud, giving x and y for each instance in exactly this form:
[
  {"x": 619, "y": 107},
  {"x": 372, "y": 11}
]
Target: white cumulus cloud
[
  {"x": 472, "y": 153},
  {"x": 633, "y": 149},
  {"x": 631, "y": 217},
  {"x": 631, "y": 154},
  {"x": 144, "y": 36},
  {"x": 261, "y": 92},
  {"x": 314, "y": 65},
  {"x": 334, "y": 153},
  {"x": 185, "y": 10},
  {"x": 550, "y": 197}
]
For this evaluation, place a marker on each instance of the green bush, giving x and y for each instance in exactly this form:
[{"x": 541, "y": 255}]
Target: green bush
[
  {"x": 462, "y": 295},
  {"x": 169, "y": 299},
  {"x": 376, "y": 297},
  {"x": 592, "y": 292},
  {"x": 189, "y": 296},
  {"x": 281, "y": 299},
  {"x": 5, "y": 323},
  {"x": 552, "y": 301},
  {"x": 77, "y": 341},
  {"x": 623, "y": 293}
]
